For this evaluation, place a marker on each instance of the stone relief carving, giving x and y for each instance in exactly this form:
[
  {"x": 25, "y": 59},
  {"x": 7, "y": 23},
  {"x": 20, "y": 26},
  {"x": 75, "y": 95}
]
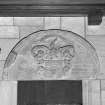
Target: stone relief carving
[
  {"x": 51, "y": 54},
  {"x": 53, "y": 60}
]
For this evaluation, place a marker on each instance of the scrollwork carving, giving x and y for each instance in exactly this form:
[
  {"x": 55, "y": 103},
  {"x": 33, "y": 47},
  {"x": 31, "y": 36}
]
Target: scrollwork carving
[
  {"x": 67, "y": 51},
  {"x": 39, "y": 51},
  {"x": 53, "y": 59}
]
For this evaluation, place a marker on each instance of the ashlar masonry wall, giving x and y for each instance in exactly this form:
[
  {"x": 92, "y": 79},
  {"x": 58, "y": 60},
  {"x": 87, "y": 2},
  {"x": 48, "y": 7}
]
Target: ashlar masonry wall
[{"x": 13, "y": 29}]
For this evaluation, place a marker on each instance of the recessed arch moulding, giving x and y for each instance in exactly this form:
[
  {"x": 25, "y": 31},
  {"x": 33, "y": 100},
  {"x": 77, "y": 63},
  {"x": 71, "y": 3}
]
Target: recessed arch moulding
[{"x": 52, "y": 54}]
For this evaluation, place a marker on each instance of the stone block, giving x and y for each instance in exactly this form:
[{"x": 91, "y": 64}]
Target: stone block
[
  {"x": 94, "y": 92},
  {"x": 28, "y": 21},
  {"x": 102, "y": 85},
  {"x": 1, "y": 68},
  {"x": 25, "y": 30},
  {"x": 6, "y": 46},
  {"x": 52, "y": 23},
  {"x": 85, "y": 92},
  {"x": 96, "y": 29},
  {"x": 103, "y": 97},
  {"x": 74, "y": 24},
  {"x": 8, "y": 93},
  {"x": 9, "y": 32},
  {"x": 99, "y": 43},
  {"x": 6, "y": 20}
]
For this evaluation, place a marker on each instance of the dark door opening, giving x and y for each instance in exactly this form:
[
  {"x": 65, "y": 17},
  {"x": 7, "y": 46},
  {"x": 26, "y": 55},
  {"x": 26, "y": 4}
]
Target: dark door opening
[{"x": 50, "y": 92}]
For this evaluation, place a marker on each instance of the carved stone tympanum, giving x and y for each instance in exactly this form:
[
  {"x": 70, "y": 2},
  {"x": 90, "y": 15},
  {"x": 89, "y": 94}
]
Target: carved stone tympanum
[{"x": 51, "y": 54}]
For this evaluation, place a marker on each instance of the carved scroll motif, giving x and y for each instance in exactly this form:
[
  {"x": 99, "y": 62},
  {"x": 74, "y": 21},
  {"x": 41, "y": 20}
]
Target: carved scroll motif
[{"x": 53, "y": 61}]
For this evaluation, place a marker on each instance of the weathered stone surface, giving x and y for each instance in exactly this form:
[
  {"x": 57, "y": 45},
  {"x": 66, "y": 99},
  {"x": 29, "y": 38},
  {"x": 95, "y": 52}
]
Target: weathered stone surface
[
  {"x": 26, "y": 30},
  {"x": 101, "y": 74},
  {"x": 1, "y": 68},
  {"x": 75, "y": 24},
  {"x": 28, "y": 21},
  {"x": 99, "y": 43},
  {"x": 52, "y": 23},
  {"x": 8, "y": 93},
  {"x": 85, "y": 87},
  {"x": 52, "y": 54},
  {"x": 94, "y": 92},
  {"x": 6, "y": 46},
  {"x": 103, "y": 97},
  {"x": 9, "y": 32},
  {"x": 103, "y": 85}
]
